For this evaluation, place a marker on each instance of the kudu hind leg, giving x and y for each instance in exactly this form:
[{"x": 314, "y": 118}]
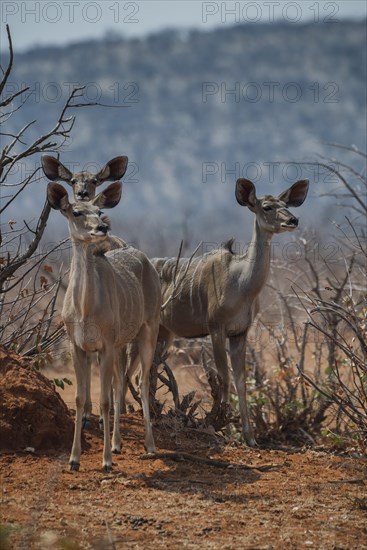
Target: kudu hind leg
[
  {"x": 237, "y": 347},
  {"x": 132, "y": 360},
  {"x": 146, "y": 341}
]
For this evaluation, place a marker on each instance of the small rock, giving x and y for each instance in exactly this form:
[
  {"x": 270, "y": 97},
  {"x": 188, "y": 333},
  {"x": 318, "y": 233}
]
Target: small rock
[{"x": 49, "y": 538}]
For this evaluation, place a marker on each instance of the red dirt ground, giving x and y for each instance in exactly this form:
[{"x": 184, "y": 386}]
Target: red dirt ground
[{"x": 287, "y": 500}]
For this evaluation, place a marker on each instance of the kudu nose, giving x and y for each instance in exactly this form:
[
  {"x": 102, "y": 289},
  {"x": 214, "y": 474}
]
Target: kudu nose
[
  {"x": 294, "y": 221},
  {"x": 83, "y": 195},
  {"x": 103, "y": 228}
]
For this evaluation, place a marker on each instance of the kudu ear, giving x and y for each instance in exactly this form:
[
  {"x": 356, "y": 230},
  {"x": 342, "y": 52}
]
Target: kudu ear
[
  {"x": 54, "y": 170},
  {"x": 246, "y": 193},
  {"x": 296, "y": 194},
  {"x": 113, "y": 170},
  {"x": 109, "y": 197},
  {"x": 57, "y": 197}
]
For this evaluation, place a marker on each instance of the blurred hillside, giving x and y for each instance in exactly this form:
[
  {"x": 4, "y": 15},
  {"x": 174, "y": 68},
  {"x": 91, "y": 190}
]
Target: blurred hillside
[{"x": 202, "y": 108}]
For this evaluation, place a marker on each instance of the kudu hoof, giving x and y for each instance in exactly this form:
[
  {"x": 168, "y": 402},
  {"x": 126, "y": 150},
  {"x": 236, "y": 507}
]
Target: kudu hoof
[{"x": 151, "y": 451}]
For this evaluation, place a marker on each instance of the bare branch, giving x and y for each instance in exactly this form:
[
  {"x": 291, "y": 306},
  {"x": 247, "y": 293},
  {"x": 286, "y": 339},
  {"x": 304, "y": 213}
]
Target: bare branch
[
  {"x": 9, "y": 270},
  {"x": 352, "y": 191},
  {"x": 352, "y": 148},
  {"x": 10, "y": 62}
]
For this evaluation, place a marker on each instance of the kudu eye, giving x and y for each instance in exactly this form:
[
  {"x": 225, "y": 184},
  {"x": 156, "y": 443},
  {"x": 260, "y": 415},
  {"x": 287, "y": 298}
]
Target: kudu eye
[
  {"x": 267, "y": 208},
  {"x": 76, "y": 213},
  {"x": 73, "y": 181}
]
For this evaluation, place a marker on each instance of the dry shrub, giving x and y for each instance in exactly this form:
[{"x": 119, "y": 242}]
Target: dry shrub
[{"x": 307, "y": 376}]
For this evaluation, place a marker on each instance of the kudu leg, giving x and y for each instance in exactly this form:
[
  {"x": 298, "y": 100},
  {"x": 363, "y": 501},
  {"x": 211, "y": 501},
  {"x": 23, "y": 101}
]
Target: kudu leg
[
  {"x": 108, "y": 360},
  {"x": 118, "y": 376},
  {"x": 220, "y": 357},
  {"x": 79, "y": 358},
  {"x": 237, "y": 348},
  {"x": 131, "y": 365},
  {"x": 165, "y": 339},
  {"x": 147, "y": 339},
  {"x": 88, "y": 399}
]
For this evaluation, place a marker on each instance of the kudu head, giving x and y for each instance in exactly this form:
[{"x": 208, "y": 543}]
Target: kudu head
[
  {"x": 272, "y": 213},
  {"x": 84, "y": 183},
  {"x": 87, "y": 223}
]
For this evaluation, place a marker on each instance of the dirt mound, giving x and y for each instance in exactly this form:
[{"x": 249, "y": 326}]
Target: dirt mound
[{"x": 32, "y": 414}]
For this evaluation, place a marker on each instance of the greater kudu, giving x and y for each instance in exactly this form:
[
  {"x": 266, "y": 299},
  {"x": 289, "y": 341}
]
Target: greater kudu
[
  {"x": 84, "y": 186},
  {"x": 111, "y": 299},
  {"x": 220, "y": 292}
]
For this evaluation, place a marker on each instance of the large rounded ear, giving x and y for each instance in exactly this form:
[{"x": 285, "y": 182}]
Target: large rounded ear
[
  {"x": 246, "y": 193},
  {"x": 54, "y": 170},
  {"x": 296, "y": 194},
  {"x": 113, "y": 170},
  {"x": 57, "y": 196},
  {"x": 109, "y": 197}
]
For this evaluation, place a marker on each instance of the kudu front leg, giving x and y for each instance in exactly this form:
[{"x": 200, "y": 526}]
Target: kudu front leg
[
  {"x": 107, "y": 362},
  {"x": 118, "y": 376},
  {"x": 80, "y": 363},
  {"x": 237, "y": 347},
  {"x": 86, "y": 424},
  {"x": 220, "y": 357}
]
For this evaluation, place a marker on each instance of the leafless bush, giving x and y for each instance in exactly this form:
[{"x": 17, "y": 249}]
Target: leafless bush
[
  {"x": 338, "y": 312},
  {"x": 306, "y": 371},
  {"x": 317, "y": 380},
  {"x": 189, "y": 410}
]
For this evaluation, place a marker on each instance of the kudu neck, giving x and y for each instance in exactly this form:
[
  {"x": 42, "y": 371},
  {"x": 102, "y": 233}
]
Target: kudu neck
[
  {"x": 255, "y": 263},
  {"x": 83, "y": 277}
]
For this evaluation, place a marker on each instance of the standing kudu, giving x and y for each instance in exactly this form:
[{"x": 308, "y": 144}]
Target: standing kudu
[
  {"x": 220, "y": 292},
  {"x": 111, "y": 299},
  {"x": 84, "y": 186}
]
